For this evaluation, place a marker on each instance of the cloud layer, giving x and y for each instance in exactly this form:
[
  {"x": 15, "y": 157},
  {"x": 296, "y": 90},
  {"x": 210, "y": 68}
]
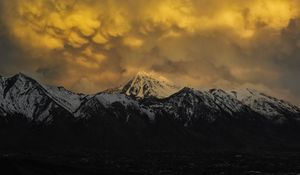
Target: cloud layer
[{"x": 91, "y": 45}]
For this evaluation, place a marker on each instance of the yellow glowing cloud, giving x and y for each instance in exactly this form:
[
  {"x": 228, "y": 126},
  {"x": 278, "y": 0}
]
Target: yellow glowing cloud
[
  {"x": 99, "y": 39},
  {"x": 82, "y": 61},
  {"x": 272, "y": 13},
  {"x": 55, "y": 24},
  {"x": 116, "y": 25},
  {"x": 169, "y": 13},
  {"x": 30, "y": 38},
  {"x": 76, "y": 40},
  {"x": 116, "y": 37},
  {"x": 133, "y": 42},
  {"x": 84, "y": 20}
]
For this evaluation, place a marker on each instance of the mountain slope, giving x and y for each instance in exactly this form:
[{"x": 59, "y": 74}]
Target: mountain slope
[{"x": 69, "y": 100}]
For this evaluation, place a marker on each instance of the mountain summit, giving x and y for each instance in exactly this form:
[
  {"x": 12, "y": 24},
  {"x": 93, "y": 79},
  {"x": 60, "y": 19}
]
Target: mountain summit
[{"x": 144, "y": 85}]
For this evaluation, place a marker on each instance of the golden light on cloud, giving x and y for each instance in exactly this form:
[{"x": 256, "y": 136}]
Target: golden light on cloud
[
  {"x": 223, "y": 40},
  {"x": 132, "y": 42},
  {"x": 56, "y": 24},
  {"x": 275, "y": 13},
  {"x": 98, "y": 38}
]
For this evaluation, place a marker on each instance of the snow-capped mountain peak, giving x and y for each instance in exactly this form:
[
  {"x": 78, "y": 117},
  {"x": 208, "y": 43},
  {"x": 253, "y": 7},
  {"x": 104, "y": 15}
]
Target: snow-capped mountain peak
[{"x": 144, "y": 85}]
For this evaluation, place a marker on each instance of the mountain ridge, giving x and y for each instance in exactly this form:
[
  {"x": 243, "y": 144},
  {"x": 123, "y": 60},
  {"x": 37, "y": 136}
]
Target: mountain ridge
[
  {"x": 145, "y": 117},
  {"x": 145, "y": 85}
]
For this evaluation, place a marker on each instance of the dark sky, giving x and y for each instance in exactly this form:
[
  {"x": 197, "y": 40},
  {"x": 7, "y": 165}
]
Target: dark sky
[{"x": 91, "y": 45}]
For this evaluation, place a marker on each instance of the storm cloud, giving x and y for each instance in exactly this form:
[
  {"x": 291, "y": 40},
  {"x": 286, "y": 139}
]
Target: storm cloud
[{"x": 91, "y": 45}]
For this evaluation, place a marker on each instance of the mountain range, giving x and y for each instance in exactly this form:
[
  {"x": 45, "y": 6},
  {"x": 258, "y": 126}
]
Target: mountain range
[{"x": 147, "y": 112}]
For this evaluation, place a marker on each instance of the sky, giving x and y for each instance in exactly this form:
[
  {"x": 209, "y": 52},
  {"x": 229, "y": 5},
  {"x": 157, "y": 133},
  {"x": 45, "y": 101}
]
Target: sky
[{"x": 91, "y": 45}]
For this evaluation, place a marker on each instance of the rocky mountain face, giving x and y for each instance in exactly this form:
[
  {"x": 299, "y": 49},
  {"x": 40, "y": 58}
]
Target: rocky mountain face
[{"x": 148, "y": 111}]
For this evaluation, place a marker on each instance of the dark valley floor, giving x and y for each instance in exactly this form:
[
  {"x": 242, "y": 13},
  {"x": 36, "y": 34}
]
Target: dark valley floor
[{"x": 151, "y": 163}]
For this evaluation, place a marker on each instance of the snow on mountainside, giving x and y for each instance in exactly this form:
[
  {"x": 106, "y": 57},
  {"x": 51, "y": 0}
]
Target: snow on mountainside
[
  {"x": 21, "y": 95},
  {"x": 107, "y": 101},
  {"x": 148, "y": 85},
  {"x": 189, "y": 105},
  {"x": 226, "y": 101},
  {"x": 264, "y": 104},
  {"x": 70, "y": 100}
]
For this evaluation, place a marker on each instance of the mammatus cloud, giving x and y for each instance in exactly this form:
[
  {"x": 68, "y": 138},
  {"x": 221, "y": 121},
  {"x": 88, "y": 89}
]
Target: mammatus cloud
[{"x": 90, "y": 45}]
